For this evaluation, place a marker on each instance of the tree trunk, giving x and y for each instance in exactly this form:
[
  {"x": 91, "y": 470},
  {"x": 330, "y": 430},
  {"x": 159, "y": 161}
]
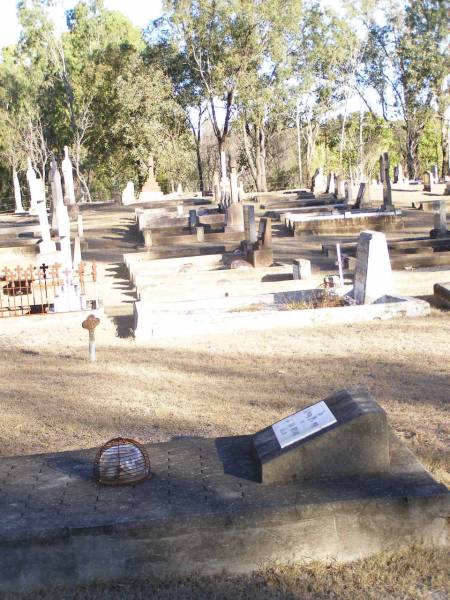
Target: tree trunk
[
  {"x": 412, "y": 146},
  {"x": 445, "y": 143},
  {"x": 261, "y": 164},
  {"x": 299, "y": 144}
]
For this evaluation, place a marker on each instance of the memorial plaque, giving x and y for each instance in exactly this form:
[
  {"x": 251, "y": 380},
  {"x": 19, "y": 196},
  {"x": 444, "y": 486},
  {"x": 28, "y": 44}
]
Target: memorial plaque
[{"x": 303, "y": 423}]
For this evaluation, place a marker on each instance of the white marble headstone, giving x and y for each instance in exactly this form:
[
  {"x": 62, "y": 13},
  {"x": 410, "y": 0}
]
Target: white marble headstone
[{"x": 373, "y": 275}]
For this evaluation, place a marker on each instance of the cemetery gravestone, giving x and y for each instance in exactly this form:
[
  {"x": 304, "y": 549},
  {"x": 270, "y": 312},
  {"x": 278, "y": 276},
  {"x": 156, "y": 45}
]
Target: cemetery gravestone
[
  {"x": 31, "y": 179},
  {"x": 128, "y": 196},
  {"x": 440, "y": 219},
  {"x": 19, "y": 210},
  {"x": 249, "y": 223},
  {"x": 435, "y": 173},
  {"x": 386, "y": 181},
  {"x": 234, "y": 181},
  {"x": 330, "y": 184},
  {"x": 344, "y": 435},
  {"x": 301, "y": 268},
  {"x": 428, "y": 181},
  {"x": 340, "y": 187},
  {"x": 373, "y": 274},
  {"x": 361, "y": 197},
  {"x": 348, "y": 192},
  {"x": 318, "y": 185},
  {"x": 66, "y": 167},
  {"x": 150, "y": 190}
]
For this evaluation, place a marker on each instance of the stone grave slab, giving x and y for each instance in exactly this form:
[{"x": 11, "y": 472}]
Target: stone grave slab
[{"x": 204, "y": 509}]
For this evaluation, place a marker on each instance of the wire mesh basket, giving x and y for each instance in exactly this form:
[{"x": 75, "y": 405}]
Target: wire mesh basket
[{"x": 121, "y": 461}]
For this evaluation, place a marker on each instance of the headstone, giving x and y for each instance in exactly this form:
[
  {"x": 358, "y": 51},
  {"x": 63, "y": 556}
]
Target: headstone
[
  {"x": 386, "y": 181},
  {"x": 234, "y": 182},
  {"x": 241, "y": 192},
  {"x": 339, "y": 187},
  {"x": 348, "y": 192},
  {"x": 179, "y": 189},
  {"x": 440, "y": 219},
  {"x": 66, "y": 168},
  {"x": 47, "y": 246},
  {"x": 318, "y": 184},
  {"x": 373, "y": 274},
  {"x": 31, "y": 179},
  {"x": 62, "y": 216},
  {"x": 235, "y": 217},
  {"x": 128, "y": 196},
  {"x": 330, "y": 184},
  {"x": 427, "y": 181},
  {"x": 180, "y": 210},
  {"x": 301, "y": 268},
  {"x": 76, "y": 253},
  {"x": 80, "y": 227},
  {"x": 193, "y": 218},
  {"x": 345, "y": 435},
  {"x": 249, "y": 223},
  {"x": 361, "y": 197},
  {"x": 435, "y": 173},
  {"x": 200, "y": 232},
  {"x": 216, "y": 189},
  {"x": 17, "y": 195},
  {"x": 398, "y": 174},
  {"x": 151, "y": 190}
]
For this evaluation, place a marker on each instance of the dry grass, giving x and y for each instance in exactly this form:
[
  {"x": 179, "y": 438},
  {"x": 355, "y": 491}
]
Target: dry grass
[
  {"x": 412, "y": 575},
  {"x": 52, "y": 399},
  {"x": 316, "y": 300}
]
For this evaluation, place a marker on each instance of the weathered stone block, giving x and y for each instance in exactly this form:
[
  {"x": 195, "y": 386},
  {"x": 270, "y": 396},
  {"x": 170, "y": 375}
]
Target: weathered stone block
[
  {"x": 261, "y": 258},
  {"x": 356, "y": 443},
  {"x": 301, "y": 268}
]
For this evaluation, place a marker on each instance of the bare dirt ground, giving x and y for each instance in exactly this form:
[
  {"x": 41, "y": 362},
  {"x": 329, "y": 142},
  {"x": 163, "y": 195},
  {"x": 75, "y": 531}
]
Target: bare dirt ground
[{"x": 53, "y": 399}]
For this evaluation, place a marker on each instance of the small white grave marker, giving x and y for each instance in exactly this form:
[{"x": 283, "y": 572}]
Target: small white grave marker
[{"x": 303, "y": 424}]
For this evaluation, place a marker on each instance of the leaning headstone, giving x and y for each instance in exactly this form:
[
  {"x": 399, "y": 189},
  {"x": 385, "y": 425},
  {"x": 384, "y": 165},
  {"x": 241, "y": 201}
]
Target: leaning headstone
[
  {"x": 249, "y": 223},
  {"x": 150, "y": 190},
  {"x": 301, "y": 268},
  {"x": 345, "y": 435},
  {"x": 361, "y": 196},
  {"x": 128, "y": 196},
  {"x": 386, "y": 181},
  {"x": 373, "y": 274},
  {"x": 19, "y": 210},
  {"x": 428, "y": 181},
  {"x": 31, "y": 179}
]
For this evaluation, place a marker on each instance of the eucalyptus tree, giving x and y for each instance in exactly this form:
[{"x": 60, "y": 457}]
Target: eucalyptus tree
[
  {"x": 406, "y": 62},
  {"x": 227, "y": 45}
]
